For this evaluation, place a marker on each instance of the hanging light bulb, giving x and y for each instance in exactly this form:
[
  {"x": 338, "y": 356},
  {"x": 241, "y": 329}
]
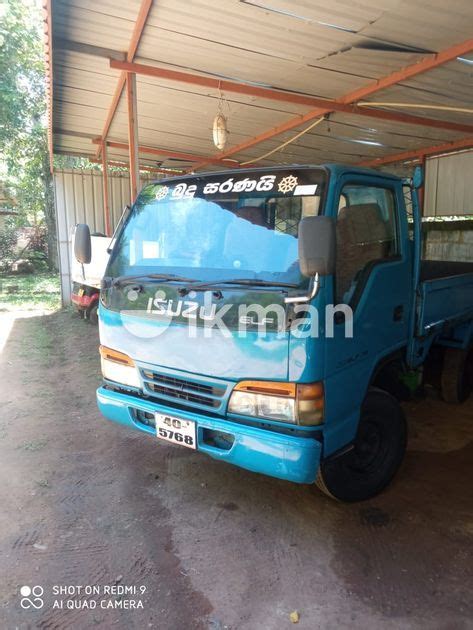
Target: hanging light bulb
[{"x": 220, "y": 131}]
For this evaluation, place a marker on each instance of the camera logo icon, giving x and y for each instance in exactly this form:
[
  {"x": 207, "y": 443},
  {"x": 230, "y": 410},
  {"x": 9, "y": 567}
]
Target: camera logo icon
[{"x": 32, "y": 597}]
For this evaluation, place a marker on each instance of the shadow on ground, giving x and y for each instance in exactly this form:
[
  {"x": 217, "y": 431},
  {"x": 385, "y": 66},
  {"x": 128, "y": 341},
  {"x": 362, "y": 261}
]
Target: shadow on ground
[{"x": 86, "y": 502}]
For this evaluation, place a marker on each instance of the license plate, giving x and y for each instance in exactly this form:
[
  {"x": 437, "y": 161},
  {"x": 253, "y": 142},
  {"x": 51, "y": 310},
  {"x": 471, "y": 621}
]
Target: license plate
[
  {"x": 176, "y": 430},
  {"x": 80, "y": 292}
]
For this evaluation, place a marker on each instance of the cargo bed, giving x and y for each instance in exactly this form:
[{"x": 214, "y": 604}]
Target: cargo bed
[
  {"x": 445, "y": 295},
  {"x": 434, "y": 269}
]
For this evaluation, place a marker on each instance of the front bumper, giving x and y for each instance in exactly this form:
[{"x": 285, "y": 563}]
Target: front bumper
[{"x": 259, "y": 450}]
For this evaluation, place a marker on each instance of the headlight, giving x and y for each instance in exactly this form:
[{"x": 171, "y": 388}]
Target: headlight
[
  {"x": 270, "y": 407},
  {"x": 118, "y": 367},
  {"x": 287, "y": 402}
]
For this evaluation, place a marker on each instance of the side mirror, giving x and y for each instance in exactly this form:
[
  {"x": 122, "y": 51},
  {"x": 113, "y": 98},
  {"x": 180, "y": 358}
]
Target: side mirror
[
  {"x": 82, "y": 244},
  {"x": 317, "y": 246}
]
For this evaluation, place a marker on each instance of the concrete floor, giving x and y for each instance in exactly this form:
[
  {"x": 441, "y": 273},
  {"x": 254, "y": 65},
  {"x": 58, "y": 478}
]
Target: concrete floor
[{"x": 85, "y": 502}]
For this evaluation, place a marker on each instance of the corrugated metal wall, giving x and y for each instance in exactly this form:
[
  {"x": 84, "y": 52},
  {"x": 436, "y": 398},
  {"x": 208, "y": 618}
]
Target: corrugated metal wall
[
  {"x": 79, "y": 199},
  {"x": 448, "y": 185}
]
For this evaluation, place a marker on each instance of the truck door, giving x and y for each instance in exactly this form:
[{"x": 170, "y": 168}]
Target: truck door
[{"x": 373, "y": 277}]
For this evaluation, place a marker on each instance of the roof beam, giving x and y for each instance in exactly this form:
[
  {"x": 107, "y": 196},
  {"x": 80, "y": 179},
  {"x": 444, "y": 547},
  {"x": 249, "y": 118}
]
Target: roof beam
[
  {"x": 132, "y": 48},
  {"x": 430, "y": 62},
  {"x": 73, "y": 133},
  {"x": 132, "y": 135},
  {"x": 448, "y": 147},
  {"x": 185, "y": 157},
  {"x": 119, "y": 163},
  {"x": 143, "y": 167},
  {"x": 106, "y": 203},
  {"x": 60, "y": 43},
  {"x": 424, "y": 65},
  {"x": 327, "y": 105}
]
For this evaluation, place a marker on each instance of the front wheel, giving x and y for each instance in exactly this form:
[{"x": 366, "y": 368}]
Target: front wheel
[{"x": 378, "y": 450}]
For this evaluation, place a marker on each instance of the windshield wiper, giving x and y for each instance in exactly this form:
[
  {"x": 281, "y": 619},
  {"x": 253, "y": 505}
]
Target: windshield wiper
[
  {"x": 251, "y": 282},
  {"x": 164, "y": 277}
]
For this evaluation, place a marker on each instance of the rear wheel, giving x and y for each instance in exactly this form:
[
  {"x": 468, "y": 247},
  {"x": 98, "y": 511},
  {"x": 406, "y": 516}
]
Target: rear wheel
[
  {"x": 93, "y": 314},
  {"x": 378, "y": 450},
  {"x": 457, "y": 375}
]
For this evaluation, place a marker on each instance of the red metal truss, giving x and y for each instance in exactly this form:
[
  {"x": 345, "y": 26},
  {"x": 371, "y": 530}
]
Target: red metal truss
[
  {"x": 424, "y": 65},
  {"x": 408, "y": 72},
  {"x": 143, "y": 167},
  {"x": 132, "y": 135},
  {"x": 120, "y": 163},
  {"x": 448, "y": 147},
  {"x": 106, "y": 203},
  {"x": 328, "y": 105},
  {"x": 179, "y": 155},
  {"x": 132, "y": 48}
]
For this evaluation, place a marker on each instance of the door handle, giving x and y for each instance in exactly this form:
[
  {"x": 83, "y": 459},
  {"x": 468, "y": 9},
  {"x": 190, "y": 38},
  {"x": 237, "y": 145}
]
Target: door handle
[{"x": 398, "y": 313}]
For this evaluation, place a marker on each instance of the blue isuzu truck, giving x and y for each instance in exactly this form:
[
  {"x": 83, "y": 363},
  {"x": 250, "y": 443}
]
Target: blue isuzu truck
[{"x": 273, "y": 318}]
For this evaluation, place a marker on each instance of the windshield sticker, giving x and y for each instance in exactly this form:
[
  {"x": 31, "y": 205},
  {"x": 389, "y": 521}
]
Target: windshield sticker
[
  {"x": 264, "y": 183},
  {"x": 287, "y": 184},
  {"x": 162, "y": 192},
  {"x": 183, "y": 191},
  {"x": 309, "y": 189}
]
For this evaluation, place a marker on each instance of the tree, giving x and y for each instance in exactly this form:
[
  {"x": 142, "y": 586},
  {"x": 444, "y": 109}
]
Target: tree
[{"x": 23, "y": 127}]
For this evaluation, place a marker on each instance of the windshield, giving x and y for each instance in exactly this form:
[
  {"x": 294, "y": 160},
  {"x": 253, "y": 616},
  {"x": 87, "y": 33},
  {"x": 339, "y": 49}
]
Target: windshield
[{"x": 238, "y": 225}]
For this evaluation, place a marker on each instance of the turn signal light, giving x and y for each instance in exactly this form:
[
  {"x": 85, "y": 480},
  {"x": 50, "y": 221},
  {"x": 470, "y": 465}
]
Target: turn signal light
[
  {"x": 116, "y": 357},
  {"x": 310, "y": 403},
  {"x": 272, "y": 388}
]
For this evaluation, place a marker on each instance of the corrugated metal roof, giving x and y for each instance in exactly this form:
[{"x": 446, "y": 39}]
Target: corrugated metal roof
[{"x": 312, "y": 47}]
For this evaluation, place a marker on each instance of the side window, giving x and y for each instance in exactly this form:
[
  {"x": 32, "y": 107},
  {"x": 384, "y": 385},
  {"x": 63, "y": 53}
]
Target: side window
[
  {"x": 366, "y": 233},
  {"x": 287, "y": 212}
]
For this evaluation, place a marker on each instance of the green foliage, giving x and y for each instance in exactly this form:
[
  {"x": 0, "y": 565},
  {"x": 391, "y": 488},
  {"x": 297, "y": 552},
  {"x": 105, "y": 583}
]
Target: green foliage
[
  {"x": 24, "y": 162},
  {"x": 8, "y": 239},
  {"x": 22, "y": 88},
  {"x": 38, "y": 248}
]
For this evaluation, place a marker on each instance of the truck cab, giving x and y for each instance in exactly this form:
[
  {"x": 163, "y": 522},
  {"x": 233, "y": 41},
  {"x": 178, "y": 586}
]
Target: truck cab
[{"x": 259, "y": 315}]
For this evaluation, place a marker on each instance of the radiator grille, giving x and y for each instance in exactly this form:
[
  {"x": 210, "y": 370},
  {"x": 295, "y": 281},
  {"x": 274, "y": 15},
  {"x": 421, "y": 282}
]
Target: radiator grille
[{"x": 192, "y": 393}]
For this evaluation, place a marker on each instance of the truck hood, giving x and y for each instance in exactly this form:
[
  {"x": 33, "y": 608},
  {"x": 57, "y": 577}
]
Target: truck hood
[{"x": 228, "y": 355}]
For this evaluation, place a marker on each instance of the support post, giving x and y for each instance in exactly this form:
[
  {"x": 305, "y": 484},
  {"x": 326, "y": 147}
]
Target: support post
[
  {"x": 423, "y": 162},
  {"x": 132, "y": 134},
  {"x": 106, "y": 204}
]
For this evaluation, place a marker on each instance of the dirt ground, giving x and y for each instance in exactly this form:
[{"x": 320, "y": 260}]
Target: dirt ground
[{"x": 86, "y": 502}]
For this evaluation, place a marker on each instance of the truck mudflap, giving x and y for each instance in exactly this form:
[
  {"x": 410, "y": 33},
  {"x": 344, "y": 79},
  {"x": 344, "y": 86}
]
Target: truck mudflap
[{"x": 287, "y": 457}]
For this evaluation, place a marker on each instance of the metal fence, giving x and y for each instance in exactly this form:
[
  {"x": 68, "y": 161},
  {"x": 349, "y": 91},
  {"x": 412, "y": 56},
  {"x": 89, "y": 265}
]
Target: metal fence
[
  {"x": 448, "y": 189},
  {"x": 79, "y": 199}
]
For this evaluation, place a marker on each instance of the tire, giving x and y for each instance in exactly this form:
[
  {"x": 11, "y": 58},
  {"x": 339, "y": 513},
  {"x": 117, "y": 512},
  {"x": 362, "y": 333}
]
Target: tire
[
  {"x": 93, "y": 314},
  {"x": 456, "y": 380},
  {"x": 469, "y": 368},
  {"x": 378, "y": 450}
]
